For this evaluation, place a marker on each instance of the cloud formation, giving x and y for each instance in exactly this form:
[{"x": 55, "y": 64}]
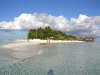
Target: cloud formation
[{"x": 83, "y": 25}]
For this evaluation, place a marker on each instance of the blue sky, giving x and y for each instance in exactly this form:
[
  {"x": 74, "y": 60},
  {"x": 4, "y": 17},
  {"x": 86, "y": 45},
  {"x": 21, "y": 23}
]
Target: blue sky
[
  {"x": 67, "y": 8},
  {"x": 80, "y": 17}
]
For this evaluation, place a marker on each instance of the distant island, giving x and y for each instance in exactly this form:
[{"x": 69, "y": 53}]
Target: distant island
[
  {"x": 48, "y": 33},
  {"x": 46, "y": 36}
]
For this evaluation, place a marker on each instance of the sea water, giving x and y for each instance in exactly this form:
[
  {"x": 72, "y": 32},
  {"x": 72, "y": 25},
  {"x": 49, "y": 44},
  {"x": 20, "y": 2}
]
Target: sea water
[{"x": 54, "y": 59}]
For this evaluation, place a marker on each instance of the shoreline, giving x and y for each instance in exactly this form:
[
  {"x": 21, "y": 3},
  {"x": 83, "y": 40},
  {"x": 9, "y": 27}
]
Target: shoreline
[{"x": 18, "y": 43}]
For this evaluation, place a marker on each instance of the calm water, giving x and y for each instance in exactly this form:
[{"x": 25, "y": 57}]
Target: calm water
[{"x": 55, "y": 59}]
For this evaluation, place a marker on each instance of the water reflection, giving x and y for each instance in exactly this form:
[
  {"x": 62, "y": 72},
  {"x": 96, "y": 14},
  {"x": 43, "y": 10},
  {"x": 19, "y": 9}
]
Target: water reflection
[
  {"x": 26, "y": 51},
  {"x": 58, "y": 59}
]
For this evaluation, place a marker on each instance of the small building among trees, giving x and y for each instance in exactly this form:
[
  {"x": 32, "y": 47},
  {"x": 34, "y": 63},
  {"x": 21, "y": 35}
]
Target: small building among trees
[{"x": 88, "y": 39}]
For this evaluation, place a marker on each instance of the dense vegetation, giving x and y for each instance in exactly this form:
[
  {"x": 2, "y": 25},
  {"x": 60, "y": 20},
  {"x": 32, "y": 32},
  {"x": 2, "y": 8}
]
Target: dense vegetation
[{"x": 47, "y": 32}]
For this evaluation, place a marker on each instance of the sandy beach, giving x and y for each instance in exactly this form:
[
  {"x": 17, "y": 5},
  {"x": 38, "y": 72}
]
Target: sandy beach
[{"x": 18, "y": 43}]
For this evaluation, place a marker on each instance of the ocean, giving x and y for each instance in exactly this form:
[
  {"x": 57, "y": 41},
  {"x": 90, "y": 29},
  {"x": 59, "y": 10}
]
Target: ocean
[{"x": 55, "y": 59}]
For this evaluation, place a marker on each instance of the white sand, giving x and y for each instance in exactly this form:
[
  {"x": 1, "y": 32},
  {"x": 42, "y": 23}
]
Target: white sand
[{"x": 18, "y": 43}]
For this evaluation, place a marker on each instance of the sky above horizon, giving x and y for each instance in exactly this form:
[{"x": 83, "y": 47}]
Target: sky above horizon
[
  {"x": 76, "y": 16},
  {"x": 67, "y": 8}
]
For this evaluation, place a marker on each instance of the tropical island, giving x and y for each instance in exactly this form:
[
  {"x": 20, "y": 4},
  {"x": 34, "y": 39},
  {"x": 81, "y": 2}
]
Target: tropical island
[
  {"x": 46, "y": 36},
  {"x": 48, "y": 33}
]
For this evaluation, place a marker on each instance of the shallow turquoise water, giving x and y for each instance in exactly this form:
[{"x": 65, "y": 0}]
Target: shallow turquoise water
[
  {"x": 7, "y": 36},
  {"x": 62, "y": 59}
]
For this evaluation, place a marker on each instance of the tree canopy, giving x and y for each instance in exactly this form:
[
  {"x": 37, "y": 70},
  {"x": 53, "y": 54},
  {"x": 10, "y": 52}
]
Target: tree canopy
[{"x": 47, "y": 32}]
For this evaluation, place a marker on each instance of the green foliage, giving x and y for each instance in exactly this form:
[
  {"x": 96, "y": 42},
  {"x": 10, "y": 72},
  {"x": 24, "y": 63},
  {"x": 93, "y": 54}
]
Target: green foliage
[
  {"x": 40, "y": 33},
  {"x": 47, "y": 32},
  {"x": 31, "y": 34}
]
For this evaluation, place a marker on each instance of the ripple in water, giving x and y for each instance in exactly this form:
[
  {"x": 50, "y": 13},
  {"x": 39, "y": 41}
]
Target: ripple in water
[{"x": 58, "y": 59}]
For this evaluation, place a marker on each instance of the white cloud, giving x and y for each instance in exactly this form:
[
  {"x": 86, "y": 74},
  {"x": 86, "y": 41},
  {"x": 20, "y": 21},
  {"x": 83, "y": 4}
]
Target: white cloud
[{"x": 81, "y": 25}]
